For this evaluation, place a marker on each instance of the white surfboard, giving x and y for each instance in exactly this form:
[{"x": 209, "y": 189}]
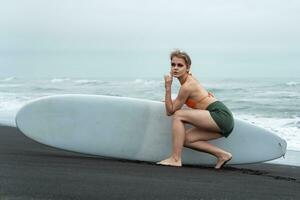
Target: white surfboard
[{"x": 133, "y": 129}]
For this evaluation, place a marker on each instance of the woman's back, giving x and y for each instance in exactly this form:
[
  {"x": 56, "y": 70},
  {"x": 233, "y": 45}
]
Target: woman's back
[{"x": 199, "y": 97}]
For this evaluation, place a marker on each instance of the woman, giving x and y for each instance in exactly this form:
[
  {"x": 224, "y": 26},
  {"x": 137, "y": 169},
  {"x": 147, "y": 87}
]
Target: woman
[{"x": 211, "y": 118}]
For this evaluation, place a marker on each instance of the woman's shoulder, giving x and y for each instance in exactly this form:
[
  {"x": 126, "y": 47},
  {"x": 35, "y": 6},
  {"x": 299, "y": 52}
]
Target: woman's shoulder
[
  {"x": 190, "y": 86},
  {"x": 196, "y": 86},
  {"x": 194, "y": 82}
]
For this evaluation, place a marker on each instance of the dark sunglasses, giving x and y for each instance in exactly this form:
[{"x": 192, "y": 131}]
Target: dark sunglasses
[{"x": 174, "y": 65}]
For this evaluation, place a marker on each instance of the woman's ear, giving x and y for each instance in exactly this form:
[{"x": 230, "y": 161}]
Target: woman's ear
[{"x": 188, "y": 68}]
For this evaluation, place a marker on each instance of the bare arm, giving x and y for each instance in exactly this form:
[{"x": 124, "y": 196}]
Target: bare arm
[
  {"x": 173, "y": 106},
  {"x": 168, "y": 101}
]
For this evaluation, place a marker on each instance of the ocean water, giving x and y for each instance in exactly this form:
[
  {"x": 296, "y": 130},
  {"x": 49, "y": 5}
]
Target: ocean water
[{"x": 271, "y": 103}]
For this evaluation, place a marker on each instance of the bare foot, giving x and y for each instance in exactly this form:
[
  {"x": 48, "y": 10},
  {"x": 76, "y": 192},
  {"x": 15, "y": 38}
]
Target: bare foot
[
  {"x": 170, "y": 162},
  {"x": 223, "y": 160}
]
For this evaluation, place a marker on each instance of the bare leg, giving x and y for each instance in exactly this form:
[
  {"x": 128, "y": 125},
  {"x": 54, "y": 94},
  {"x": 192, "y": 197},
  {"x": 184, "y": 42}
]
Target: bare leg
[
  {"x": 197, "y": 136},
  {"x": 178, "y": 140},
  {"x": 197, "y": 139}
]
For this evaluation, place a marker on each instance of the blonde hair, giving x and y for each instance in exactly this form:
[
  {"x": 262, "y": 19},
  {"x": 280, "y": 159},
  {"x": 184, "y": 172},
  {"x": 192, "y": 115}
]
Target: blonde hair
[{"x": 181, "y": 54}]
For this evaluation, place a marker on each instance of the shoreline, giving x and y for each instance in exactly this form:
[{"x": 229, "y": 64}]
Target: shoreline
[{"x": 29, "y": 170}]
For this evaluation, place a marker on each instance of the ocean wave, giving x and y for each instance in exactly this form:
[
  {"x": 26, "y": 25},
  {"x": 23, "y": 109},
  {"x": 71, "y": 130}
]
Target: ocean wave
[
  {"x": 287, "y": 128},
  {"x": 277, "y": 93},
  {"x": 283, "y": 84},
  {"x": 46, "y": 89},
  {"x": 10, "y": 85},
  {"x": 292, "y": 83},
  {"x": 227, "y": 90},
  {"x": 293, "y": 123},
  {"x": 8, "y": 110},
  {"x": 138, "y": 81},
  {"x": 88, "y": 82},
  {"x": 59, "y": 80},
  {"x": 9, "y": 79},
  {"x": 8, "y": 104},
  {"x": 147, "y": 82}
]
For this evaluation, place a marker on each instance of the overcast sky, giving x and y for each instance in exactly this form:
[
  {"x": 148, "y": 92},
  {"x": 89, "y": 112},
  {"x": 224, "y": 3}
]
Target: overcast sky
[{"x": 133, "y": 38}]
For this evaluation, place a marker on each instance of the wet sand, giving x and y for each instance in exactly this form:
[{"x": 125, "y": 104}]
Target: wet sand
[{"x": 29, "y": 170}]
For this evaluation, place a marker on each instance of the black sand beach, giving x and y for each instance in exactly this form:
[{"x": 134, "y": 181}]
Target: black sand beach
[{"x": 29, "y": 170}]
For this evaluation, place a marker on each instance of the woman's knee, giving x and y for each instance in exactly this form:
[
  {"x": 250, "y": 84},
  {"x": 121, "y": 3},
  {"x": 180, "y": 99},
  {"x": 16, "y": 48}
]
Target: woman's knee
[
  {"x": 187, "y": 139},
  {"x": 178, "y": 115}
]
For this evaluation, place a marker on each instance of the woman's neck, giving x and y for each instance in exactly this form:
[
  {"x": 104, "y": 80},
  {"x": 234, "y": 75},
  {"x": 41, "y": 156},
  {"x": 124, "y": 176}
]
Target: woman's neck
[{"x": 183, "y": 79}]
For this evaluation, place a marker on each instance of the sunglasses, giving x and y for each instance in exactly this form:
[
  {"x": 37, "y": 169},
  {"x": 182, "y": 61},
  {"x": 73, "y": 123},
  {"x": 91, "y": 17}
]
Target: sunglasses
[{"x": 178, "y": 65}]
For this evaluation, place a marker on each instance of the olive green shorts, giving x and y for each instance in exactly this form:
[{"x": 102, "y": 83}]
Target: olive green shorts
[{"x": 222, "y": 116}]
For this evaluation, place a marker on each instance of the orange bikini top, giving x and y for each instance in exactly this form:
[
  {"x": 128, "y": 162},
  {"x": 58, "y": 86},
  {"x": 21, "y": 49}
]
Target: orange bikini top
[{"x": 192, "y": 103}]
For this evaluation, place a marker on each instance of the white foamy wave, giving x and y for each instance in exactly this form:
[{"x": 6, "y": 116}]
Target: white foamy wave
[
  {"x": 59, "y": 80},
  {"x": 146, "y": 82},
  {"x": 9, "y": 109},
  {"x": 7, "y": 106},
  {"x": 138, "y": 81},
  {"x": 292, "y": 83},
  {"x": 87, "y": 82},
  {"x": 9, "y": 79},
  {"x": 10, "y": 85},
  {"x": 287, "y": 128},
  {"x": 272, "y": 94}
]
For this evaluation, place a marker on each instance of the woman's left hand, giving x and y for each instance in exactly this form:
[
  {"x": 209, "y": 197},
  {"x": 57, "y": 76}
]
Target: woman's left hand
[{"x": 168, "y": 80}]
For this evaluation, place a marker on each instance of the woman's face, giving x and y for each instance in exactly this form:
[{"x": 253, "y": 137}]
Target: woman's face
[{"x": 178, "y": 67}]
